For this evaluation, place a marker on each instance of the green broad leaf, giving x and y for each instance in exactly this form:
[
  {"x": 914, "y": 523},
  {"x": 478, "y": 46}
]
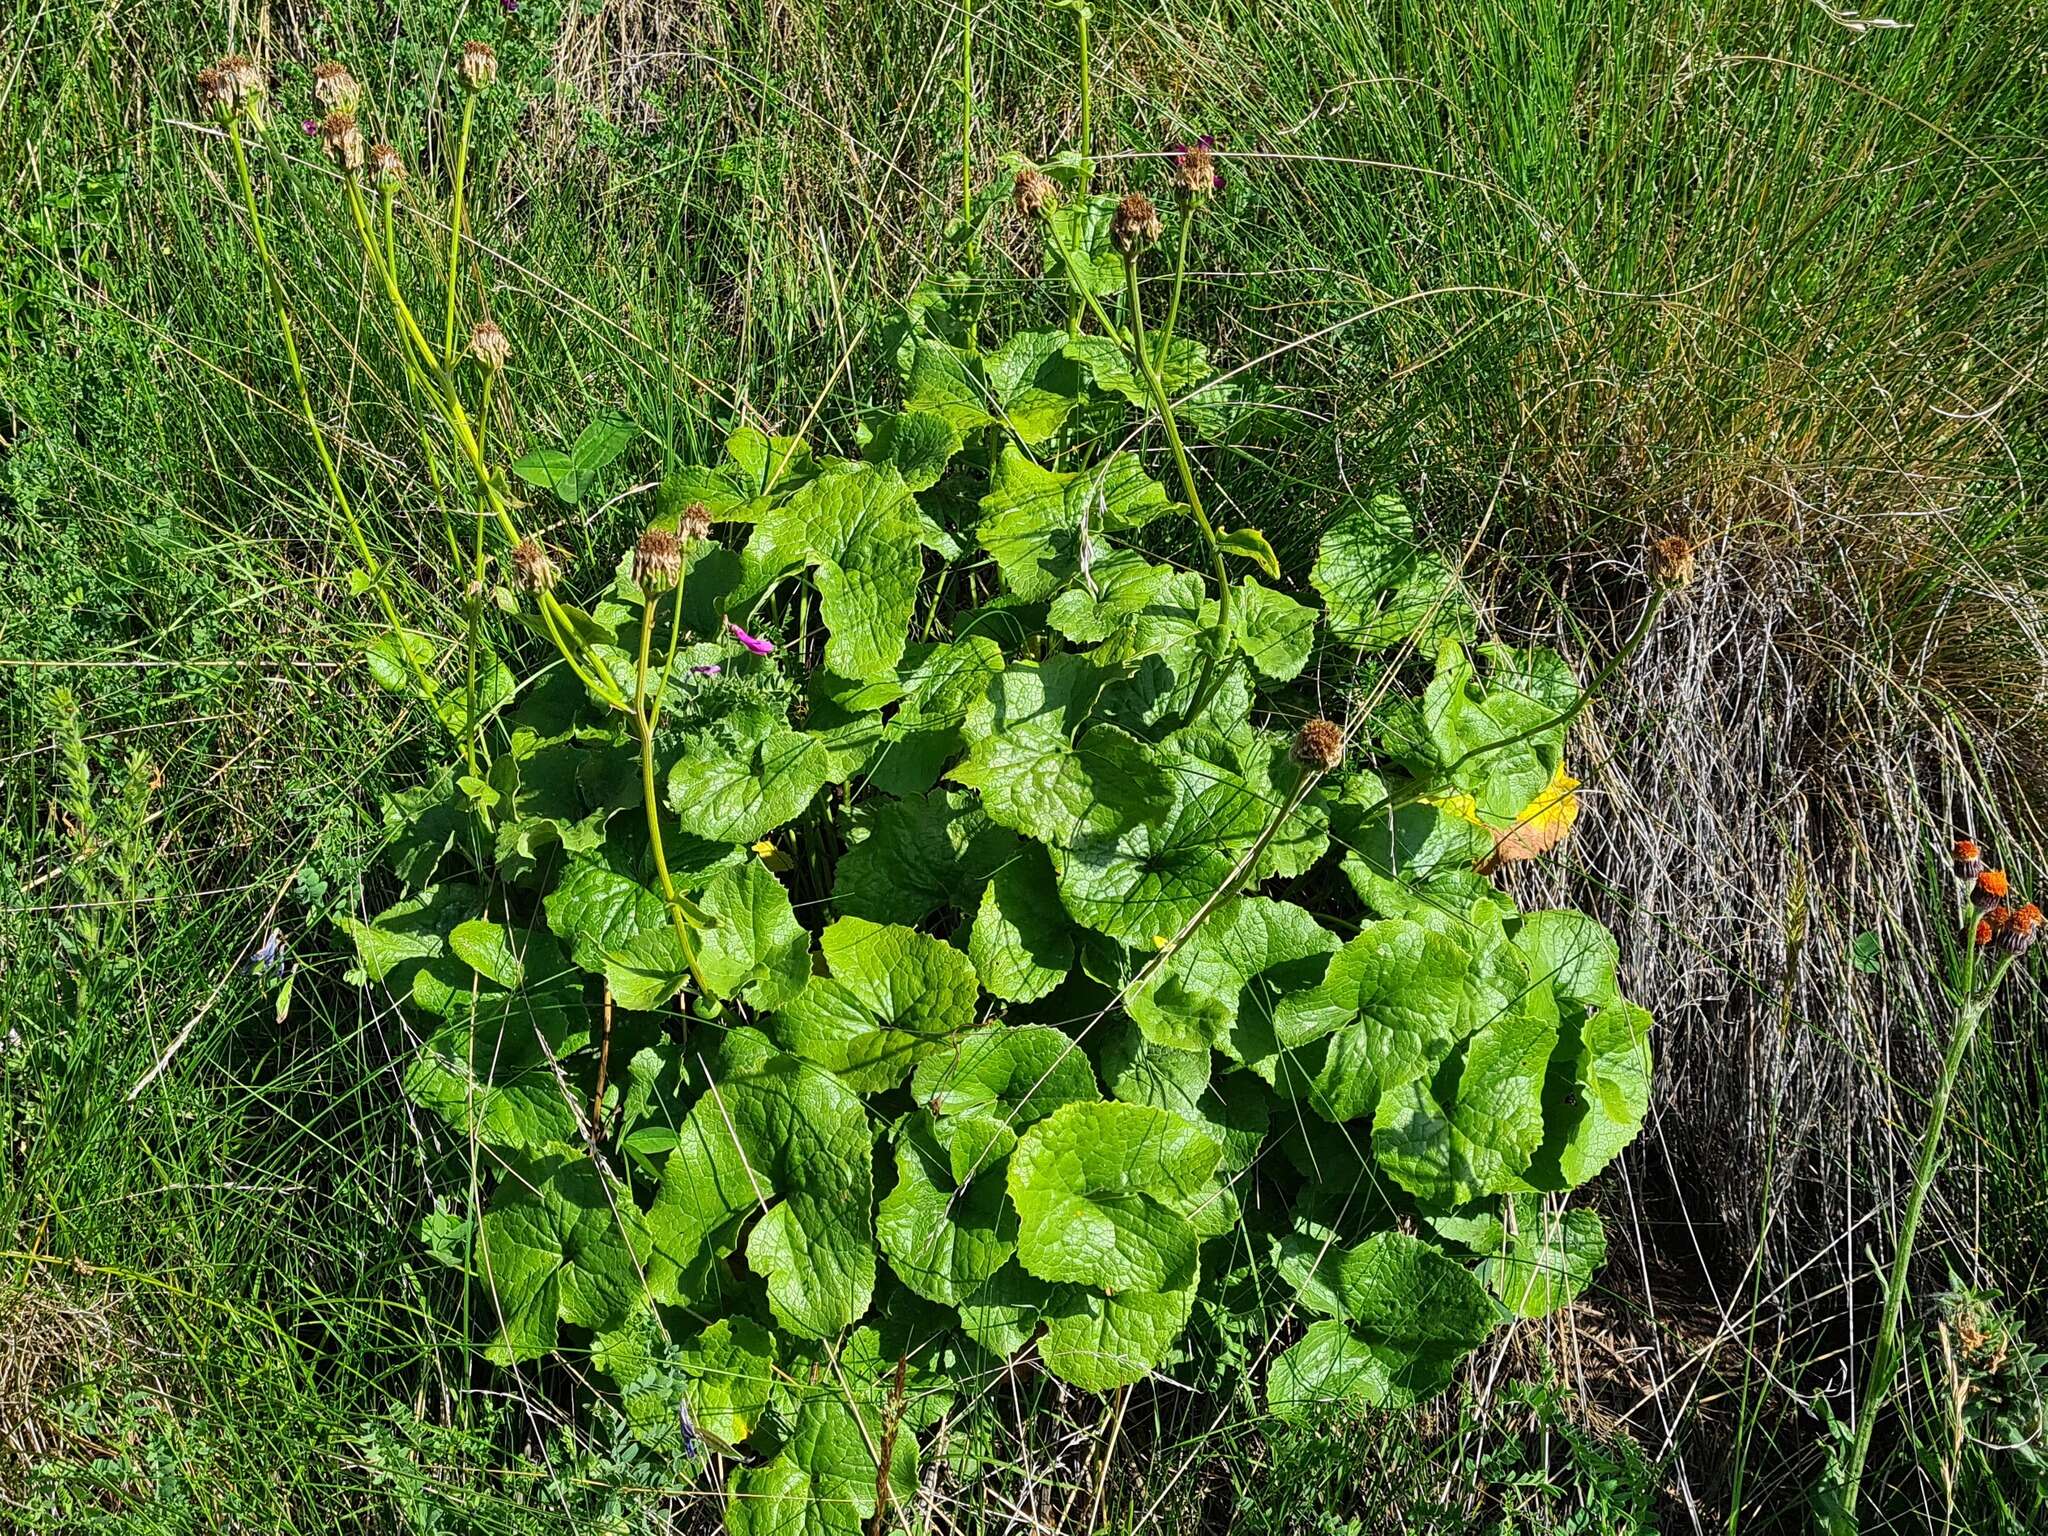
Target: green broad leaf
[
  {"x": 1110, "y": 366},
  {"x": 494, "y": 1077},
  {"x": 1116, "y": 589},
  {"x": 740, "y": 785},
  {"x": 1035, "y": 384},
  {"x": 908, "y": 858},
  {"x": 568, "y": 475},
  {"x": 893, "y": 994},
  {"x": 770, "y": 465},
  {"x": 420, "y": 826},
  {"x": 1080, "y": 247},
  {"x": 1102, "y": 1191},
  {"x": 785, "y": 1145},
  {"x": 1595, "y": 1094},
  {"x": 1021, "y": 944},
  {"x": 1547, "y": 1261},
  {"x": 1193, "y": 1001},
  {"x": 943, "y": 381},
  {"x": 992, "y": 1083},
  {"x": 1379, "y": 587},
  {"x": 1250, "y": 544},
  {"x": 1414, "y": 845},
  {"x": 1410, "y": 1315},
  {"x": 491, "y": 951},
  {"x": 1003, "y": 1316},
  {"x": 758, "y": 951},
  {"x": 1473, "y": 1127},
  {"x": 1574, "y": 953},
  {"x": 861, "y": 532},
  {"x": 728, "y": 1373},
  {"x": 557, "y": 1245},
  {"x": 463, "y": 709},
  {"x": 1034, "y": 520},
  {"x": 394, "y": 654},
  {"x": 597, "y": 908},
  {"x": 1098, "y": 1342},
  {"x": 404, "y": 936},
  {"x": 1274, "y": 631},
  {"x": 944, "y": 1237},
  {"x": 649, "y": 970},
  {"x": 941, "y": 683},
  {"x": 1391, "y": 1005},
  {"x": 917, "y": 444},
  {"x": 824, "y": 1480},
  {"x": 1493, "y": 728}
]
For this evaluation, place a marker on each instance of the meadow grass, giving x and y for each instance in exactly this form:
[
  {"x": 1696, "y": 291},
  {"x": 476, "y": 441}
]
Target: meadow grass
[{"x": 1567, "y": 272}]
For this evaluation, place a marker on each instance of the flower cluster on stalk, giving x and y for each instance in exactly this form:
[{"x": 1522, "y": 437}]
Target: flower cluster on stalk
[{"x": 2003, "y": 922}]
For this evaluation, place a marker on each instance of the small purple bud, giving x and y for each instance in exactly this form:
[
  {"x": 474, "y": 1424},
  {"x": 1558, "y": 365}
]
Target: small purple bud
[
  {"x": 311, "y": 125},
  {"x": 753, "y": 643},
  {"x": 711, "y": 671}
]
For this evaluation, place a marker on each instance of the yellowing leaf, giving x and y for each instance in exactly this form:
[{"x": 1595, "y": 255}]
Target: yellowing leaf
[{"x": 1537, "y": 828}]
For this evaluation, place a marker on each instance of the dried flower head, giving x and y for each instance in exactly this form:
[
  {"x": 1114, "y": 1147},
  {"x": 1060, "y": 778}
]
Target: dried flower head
[
  {"x": 1195, "y": 176},
  {"x": 384, "y": 159},
  {"x": 343, "y": 141},
  {"x": 1035, "y": 193},
  {"x": 478, "y": 66},
  {"x": 335, "y": 88},
  {"x": 533, "y": 568},
  {"x": 657, "y": 561},
  {"x": 1319, "y": 745},
  {"x": 216, "y": 90},
  {"x": 1671, "y": 561},
  {"x": 2017, "y": 934},
  {"x": 693, "y": 523},
  {"x": 1136, "y": 225},
  {"x": 1990, "y": 888},
  {"x": 487, "y": 344},
  {"x": 251, "y": 84},
  {"x": 1969, "y": 859}
]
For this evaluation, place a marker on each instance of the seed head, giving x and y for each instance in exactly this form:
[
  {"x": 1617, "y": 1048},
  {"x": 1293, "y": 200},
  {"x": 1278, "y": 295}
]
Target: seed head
[
  {"x": 216, "y": 90},
  {"x": 487, "y": 344},
  {"x": 533, "y": 568},
  {"x": 1195, "y": 177},
  {"x": 693, "y": 523},
  {"x": 1136, "y": 226},
  {"x": 1671, "y": 561},
  {"x": 335, "y": 88},
  {"x": 478, "y": 67},
  {"x": 2020, "y": 929},
  {"x": 250, "y": 82},
  {"x": 657, "y": 561},
  {"x": 342, "y": 140},
  {"x": 1319, "y": 745},
  {"x": 1990, "y": 889},
  {"x": 1035, "y": 193},
  {"x": 1969, "y": 859},
  {"x": 390, "y": 169}
]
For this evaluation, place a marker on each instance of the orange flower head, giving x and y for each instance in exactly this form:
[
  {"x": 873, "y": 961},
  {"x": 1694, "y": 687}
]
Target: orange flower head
[
  {"x": 2021, "y": 929},
  {"x": 1969, "y": 859},
  {"x": 1983, "y": 934}
]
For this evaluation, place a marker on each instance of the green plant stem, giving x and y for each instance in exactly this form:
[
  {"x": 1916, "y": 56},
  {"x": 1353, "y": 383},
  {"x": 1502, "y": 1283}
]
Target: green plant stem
[
  {"x": 1087, "y": 100},
  {"x": 455, "y": 223},
  {"x": 1205, "y": 685},
  {"x": 643, "y": 722},
  {"x": 1884, "y": 1359},
  {"x": 1180, "y": 272},
  {"x": 282, "y": 308}
]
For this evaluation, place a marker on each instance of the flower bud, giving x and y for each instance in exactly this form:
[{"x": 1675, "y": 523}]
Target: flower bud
[
  {"x": 1672, "y": 561},
  {"x": 1319, "y": 746},
  {"x": 693, "y": 523},
  {"x": 335, "y": 88},
  {"x": 390, "y": 169},
  {"x": 487, "y": 344},
  {"x": 343, "y": 141},
  {"x": 533, "y": 568},
  {"x": 657, "y": 561},
  {"x": 1035, "y": 193},
  {"x": 1990, "y": 889},
  {"x": 1195, "y": 177},
  {"x": 2020, "y": 929},
  {"x": 1969, "y": 859},
  {"x": 1136, "y": 225},
  {"x": 478, "y": 67},
  {"x": 216, "y": 91}
]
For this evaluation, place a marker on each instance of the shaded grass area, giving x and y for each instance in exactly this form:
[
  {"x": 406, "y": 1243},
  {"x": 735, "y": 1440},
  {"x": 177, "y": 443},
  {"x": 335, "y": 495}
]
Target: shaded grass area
[{"x": 1565, "y": 272}]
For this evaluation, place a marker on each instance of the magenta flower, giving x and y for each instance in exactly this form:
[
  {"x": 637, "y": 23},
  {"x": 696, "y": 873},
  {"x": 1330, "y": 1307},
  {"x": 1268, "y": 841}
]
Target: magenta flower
[
  {"x": 753, "y": 643},
  {"x": 310, "y": 125},
  {"x": 711, "y": 671}
]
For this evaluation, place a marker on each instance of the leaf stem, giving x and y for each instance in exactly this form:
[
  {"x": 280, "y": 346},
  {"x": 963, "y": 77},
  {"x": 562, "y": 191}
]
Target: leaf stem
[
  {"x": 644, "y": 725},
  {"x": 455, "y": 223}
]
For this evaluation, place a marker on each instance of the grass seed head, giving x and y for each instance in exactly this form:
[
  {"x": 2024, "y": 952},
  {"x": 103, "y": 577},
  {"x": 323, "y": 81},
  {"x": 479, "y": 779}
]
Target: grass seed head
[
  {"x": 533, "y": 568},
  {"x": 478, "y": 67},
  {"x": 657, "y": 561},
  {"x": 342, "y": 140},
  {"x": 1035, "y": 194},
  {"x": 489, "y": 346},
  {"x": 1319, "y": 745},
  {"x": 693, "y": 523},
  {"x": 335, "y": 88},
  {"x": 1136, "y": 226}
]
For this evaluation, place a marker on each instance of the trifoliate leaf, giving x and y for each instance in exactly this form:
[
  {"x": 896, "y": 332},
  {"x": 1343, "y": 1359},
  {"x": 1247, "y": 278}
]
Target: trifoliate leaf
[
  {"x": 1100, "y": 1190},
  {"x": 759, "y": 950},
  {"x": 1274, "y": 631},
  {"x": 1021, "y": 944},
  {"x": 738, "y": 787},
  {"x": 557, "y": 1245}
]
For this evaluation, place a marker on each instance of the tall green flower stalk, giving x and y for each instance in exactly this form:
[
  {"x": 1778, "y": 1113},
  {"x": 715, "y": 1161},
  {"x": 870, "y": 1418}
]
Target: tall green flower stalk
[{"x": 1993, "y": 927}]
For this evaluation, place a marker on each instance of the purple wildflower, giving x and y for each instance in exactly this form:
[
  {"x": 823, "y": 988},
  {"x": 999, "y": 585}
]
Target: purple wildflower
[
  {"x": 508, "y": 6},
  {"x": 753, "y": 643},
  {"x": 711, "y": 671},
  {"x": 311, "y": 125}
]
